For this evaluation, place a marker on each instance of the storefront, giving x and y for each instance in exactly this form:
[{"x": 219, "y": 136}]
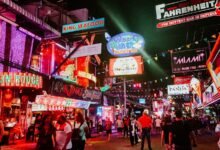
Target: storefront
[{"x": 16, "y": 90}]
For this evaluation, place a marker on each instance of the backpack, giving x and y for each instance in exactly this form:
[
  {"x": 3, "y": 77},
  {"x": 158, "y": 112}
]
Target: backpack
[{"x": 76, "y": 133}]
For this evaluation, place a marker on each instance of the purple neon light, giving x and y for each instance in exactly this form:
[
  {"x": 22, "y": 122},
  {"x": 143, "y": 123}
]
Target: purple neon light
[
  {"x": 17, "y": 45},
  {"x": 2, "y": 38}
]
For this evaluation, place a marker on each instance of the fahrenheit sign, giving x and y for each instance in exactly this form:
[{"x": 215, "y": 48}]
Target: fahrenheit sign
[{"x": 18, "y": 79}]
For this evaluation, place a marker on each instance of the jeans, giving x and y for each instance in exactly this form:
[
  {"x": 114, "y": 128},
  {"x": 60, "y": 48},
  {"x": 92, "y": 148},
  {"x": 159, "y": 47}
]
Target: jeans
[{"x": 146, "y": 133}]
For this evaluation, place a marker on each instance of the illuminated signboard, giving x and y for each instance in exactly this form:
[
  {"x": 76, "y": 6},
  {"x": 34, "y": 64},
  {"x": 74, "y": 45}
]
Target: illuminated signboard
[
  {"x": 86, "y": 75},
  {"x": 188, "y": 60},
  {"x": 213, "y": 63},
  {"x": 185, "y": 11},
  {"x": 91, "y": 24},
  {"x": 17, "y": 79},
  {"x": 178, "y": 89},
  {"x": 61, "y": 101},
  {"x": 126, "y": 66},
  {"x": 125, "y": 44}
]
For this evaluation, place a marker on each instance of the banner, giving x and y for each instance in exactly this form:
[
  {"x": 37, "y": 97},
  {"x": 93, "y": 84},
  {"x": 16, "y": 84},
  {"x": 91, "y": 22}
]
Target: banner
[
  {"x": 188, "y": 60},
  {"x": 213, "y": 63},
  {"x": 59, "y": 88},
  {"x": 209, "y": 94},
  {"x": 185, "y": 11}
]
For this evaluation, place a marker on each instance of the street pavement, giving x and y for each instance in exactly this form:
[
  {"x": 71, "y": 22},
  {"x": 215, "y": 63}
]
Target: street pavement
[{"x": 117, "y": 142}]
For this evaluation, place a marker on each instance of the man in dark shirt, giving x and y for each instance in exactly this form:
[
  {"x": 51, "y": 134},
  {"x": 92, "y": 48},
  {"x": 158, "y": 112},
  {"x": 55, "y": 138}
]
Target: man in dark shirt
[{"x": 180, "y": 133}]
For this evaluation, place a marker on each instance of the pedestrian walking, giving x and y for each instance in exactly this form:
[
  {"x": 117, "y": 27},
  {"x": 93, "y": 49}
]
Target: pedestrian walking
[
  {"x": 47, "y": 134},
  {"x": 108, "y": 128},
  {"x": 145, "y": 125},
  {"x": 179, "y": 135},
  {"x": 166, "y": 127},
  {"x": 126, "y": 126},
  {"x": 119, "y": 124},
  {"x": 158, "y": 125},
  {"x": 133, "y": 130},
  {"x": 63, "y": 134},
  {"x": 80, "y": 129}
]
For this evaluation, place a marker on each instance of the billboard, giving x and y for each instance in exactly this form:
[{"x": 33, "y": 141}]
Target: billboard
[
  {"x": 125, "y": 44},
  {"x": 183, "y": 11},
  {"x": 188, "y": 61},
  {"x": 126, "y": 66},
  {"x": 178, "y": 89},
  {"x": 213, "y": 63},
  {"x": 209, "y": 93},
  {"x": 86, "y": 25}
]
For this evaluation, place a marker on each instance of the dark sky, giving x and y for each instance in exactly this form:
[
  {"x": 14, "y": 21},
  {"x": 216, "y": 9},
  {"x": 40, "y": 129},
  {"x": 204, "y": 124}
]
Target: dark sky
[{"x": 140, "y": 16}]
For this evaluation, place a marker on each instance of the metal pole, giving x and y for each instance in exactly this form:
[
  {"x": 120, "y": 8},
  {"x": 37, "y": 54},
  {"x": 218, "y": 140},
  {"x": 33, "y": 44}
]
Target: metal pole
[{"x": 125, "y": 99}]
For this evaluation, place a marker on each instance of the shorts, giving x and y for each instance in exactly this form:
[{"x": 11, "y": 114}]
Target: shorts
[
  {"x": 119, "y": 129},
  {"x": 108, "y": 131}
]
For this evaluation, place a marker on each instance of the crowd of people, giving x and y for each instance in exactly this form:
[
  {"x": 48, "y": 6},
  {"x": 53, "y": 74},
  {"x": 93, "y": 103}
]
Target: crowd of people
[
  {"x": 177, "y": 132},
  {"x": 61, "y": 135}
]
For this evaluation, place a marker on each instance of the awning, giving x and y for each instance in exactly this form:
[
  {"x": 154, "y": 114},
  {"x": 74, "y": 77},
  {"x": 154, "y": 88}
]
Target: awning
[{"x": 51, "y": 100}]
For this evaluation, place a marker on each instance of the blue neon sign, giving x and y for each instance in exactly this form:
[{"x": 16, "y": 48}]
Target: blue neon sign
[{"x": 125, "y": 44}]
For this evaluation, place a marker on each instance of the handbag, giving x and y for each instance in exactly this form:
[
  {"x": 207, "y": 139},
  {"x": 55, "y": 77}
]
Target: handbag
[{"x": 76, "y": 133}]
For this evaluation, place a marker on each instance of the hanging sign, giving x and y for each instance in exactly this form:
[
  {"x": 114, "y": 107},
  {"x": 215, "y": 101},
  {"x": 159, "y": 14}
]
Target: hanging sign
[
  {"x": 91, "y": 24},
  {"x": 185, "y": 11},
  {"x": 126, "y": 66},
  {"x": 125, "y": 44},
  {"x": 59, "y": 88},
  {"x": 18, "y": 79},
  {"x": 189, "y": 60}
]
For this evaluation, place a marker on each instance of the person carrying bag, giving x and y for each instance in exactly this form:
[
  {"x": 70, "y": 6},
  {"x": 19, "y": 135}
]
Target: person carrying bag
[{"x": 79, "y": 132}]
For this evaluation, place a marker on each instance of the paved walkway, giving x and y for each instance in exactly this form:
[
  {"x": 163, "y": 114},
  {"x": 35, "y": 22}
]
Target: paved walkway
[{"x": 117, "y": 142}]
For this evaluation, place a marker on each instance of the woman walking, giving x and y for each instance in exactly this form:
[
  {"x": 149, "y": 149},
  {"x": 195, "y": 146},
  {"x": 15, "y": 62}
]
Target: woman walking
[
  {"x": 47, "y": 135},
  {"x": 80, "y": 128}
]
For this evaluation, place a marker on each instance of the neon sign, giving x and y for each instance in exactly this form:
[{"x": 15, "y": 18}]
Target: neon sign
[
  {"x": 125, "y": 44},
  {"x": 18, "y": 79},
  {"x": 91, "y": 24}
]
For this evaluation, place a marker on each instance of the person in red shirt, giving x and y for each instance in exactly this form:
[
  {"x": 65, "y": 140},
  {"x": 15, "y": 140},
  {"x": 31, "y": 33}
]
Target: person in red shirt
[{"x": 145, "y": 124}]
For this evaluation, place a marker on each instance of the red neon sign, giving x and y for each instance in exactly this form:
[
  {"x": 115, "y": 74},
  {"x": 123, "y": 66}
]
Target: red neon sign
[{"x": 18, "y": 79}]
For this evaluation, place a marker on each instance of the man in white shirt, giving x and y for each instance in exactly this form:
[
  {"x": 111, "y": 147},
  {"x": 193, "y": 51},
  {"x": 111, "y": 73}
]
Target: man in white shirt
[
  {"x": 119, "y": 124},
  {"x": 63, "y": 134},
  {"x": 158, "y": 124}
]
